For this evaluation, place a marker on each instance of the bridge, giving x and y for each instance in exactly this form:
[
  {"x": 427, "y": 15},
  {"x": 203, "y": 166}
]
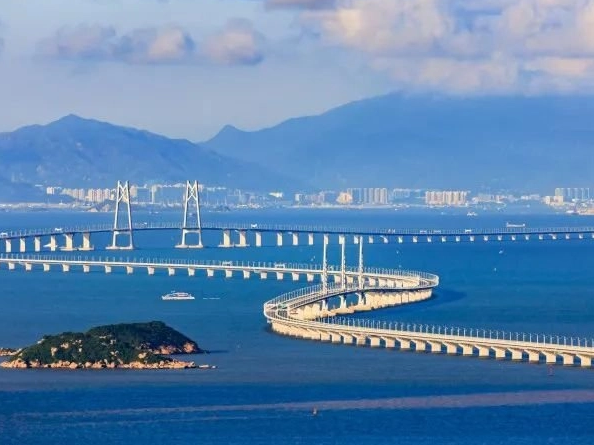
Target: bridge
[
  {"x": 78, "y": 238},
  {"x": 324, "y": 311}
]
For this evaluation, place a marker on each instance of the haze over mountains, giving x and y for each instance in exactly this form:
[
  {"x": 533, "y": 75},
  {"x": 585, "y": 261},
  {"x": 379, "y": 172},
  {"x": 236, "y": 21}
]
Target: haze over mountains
[
  {"x": 77, "y": 152},
  {"x": 519, "y": 143}
]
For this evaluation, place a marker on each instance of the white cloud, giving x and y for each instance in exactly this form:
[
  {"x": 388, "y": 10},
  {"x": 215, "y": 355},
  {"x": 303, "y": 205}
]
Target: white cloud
[
  {"x": 237, "y": 44},
  {"x": 466, "y": 46}
]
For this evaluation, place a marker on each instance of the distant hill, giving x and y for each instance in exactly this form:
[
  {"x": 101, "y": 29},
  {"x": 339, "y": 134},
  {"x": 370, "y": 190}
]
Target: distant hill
[
  {"x": 523, "y": 143},
  {"x": 77, "y": 152}
]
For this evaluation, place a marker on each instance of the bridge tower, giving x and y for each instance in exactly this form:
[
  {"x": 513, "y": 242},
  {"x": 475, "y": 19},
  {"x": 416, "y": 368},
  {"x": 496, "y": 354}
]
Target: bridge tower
[
  {"x": 343, "y": 262},
  {"x": 325, "y": 265},
  {"x": 360, "y": 271},
  {"x": 125, "y": 227},
  {"x": 192, "y": 222}
]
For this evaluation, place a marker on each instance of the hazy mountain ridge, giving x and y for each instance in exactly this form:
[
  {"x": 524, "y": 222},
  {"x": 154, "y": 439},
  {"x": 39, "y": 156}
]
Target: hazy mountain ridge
[
  {"x": 529, "y": 143},
  {"x": 79, "y": 152}
]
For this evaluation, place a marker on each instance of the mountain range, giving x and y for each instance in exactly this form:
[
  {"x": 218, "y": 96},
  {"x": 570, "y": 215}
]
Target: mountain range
[
  {"x": 490, "y": 143},
  {"x": 77, "y": 152},
  {"x": 519, "y": 143}
]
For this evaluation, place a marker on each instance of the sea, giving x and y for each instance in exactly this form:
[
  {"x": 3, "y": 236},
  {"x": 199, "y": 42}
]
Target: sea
[{"x": 270, "y": 389}]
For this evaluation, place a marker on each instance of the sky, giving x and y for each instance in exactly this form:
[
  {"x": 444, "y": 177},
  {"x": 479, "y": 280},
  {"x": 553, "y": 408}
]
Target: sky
[{"x": 186, "y": 68}]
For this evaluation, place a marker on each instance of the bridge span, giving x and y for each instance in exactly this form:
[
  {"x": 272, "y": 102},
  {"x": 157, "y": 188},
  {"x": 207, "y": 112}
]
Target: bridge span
[{"x": 318, "y": 313}]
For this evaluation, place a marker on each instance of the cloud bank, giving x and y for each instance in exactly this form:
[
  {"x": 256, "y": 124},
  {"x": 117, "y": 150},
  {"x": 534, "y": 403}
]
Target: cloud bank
[
  {"x": 467, "y": 46},
  {"x": 238, "y": 43}
]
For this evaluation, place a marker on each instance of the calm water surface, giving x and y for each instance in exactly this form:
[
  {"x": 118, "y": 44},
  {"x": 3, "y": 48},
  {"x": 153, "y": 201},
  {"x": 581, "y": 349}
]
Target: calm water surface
[{"x": 265, "y": 386}]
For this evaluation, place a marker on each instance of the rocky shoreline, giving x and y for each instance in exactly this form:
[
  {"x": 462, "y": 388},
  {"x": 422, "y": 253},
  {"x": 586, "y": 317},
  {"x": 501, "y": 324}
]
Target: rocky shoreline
[
  {"x": 4, "y": 352},
  {"x": 64, "y": 364}
]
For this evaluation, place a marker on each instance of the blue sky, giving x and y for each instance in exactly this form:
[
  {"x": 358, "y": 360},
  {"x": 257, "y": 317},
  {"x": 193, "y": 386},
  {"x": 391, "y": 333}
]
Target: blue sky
[{"x": 185, "y": 68}]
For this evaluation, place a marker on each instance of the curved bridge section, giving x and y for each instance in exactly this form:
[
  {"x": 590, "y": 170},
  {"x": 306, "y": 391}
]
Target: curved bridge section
[{"x": 316, "y": 313}]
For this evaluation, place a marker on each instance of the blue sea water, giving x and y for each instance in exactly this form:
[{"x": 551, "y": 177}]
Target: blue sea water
[{"x": 266, "y": 386}]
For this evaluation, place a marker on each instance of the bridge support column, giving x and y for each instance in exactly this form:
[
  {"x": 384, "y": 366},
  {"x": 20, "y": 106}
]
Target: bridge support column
[
  {"x": 280, "y": 276},
  {"x": 210, "y": 273},
  {"x": 500, "y": 353},
  {"x": 68, "y": 242},
  {"x": 191, "y": 272},
  {"x": 11, "y": 266},
  {"x": 585, "y": 361},
  {"x": 28, "y": 267},
  {"x": 150, "y": 270},
  {"x": 310, "y": 277},
  {"x": 46, "y": 267},
  {"x": 310, "y": 239},
  {"x": 22, "y": 245},
  {"x": 263, "y": 275},
  {"x": 517, "y": 354},
  {"x": 107, "y": 269},
  {"x": 279, "y": 239},
  {"x": 242, "y": 239},
  {"x": 53, "y": 244},
  {"x": 370, "y": 240},
  {"x": 533, "y": 356},
  {"x": 451, "y": 348},
  {"x": 295, "y": 276},
  {"x": 389, "y": 342},
  {"x": 65, "y": 267},
  {"x": 170, "y": 271},
  {"x": 324, "y": 336},
  {"x": 228, "y": 273},
  {"x": 226, "y": 239},
  {"x": 37, "y": 244},
  {"x": 374, "y": 342},
  {"x": 404, "y": 344},
  {"x": 86, "y": 242},
  {"x": 420, "y": 345},
  {"x": 347, "y": 339},
  {"x": 8, "y": 246},
  {"x": 129, "y": 270},
  {"x": 360, "y": 340},
  {"x": 568, "y": 359},
  {"x": 86, "y": 268},
  {"x": 258, "y": 239},
  {"x": 550, "y": 357},
  {"x": 484, "y": 351},
  {"x": 295, "y": 238},
  {"x": 246, "y": 274},
  {"x": 335, "y": 337}
]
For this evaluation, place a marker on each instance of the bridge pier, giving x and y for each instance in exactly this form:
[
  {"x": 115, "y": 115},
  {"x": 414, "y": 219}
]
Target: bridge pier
[
  {"x": 242, "y": 239},
  {"x": 228, "y": 273},
  {"x": 374, "y": 342},
  {"x": 435, "y": 347},
  {"x": 500, "y": 353},
  {"x": 389, "y": 342},
  {"x": 263, "y": 275},
  {"x": 107, "y": 269},
  {"x": 451, "y": 348},
  {"x": 170, "y": 271},
  {"x": 210, "y": 273},
  {"x": 246, "y": 274},
  {"x": 568, "y": 359},
  {"x": 114, "y": 243},
  {"x": 279, "y": 239},
  {"x": 11, "y": 266},
  {"x": 86, "y": 242},
  {"x": 22, "y": 245},
  {"x": 325, "y": 336},
  {"x": 28, "y": 267},
  {"x": 46, "y": 267},
  {"x": 420, "y": 345},
  {"x": 370, "y": 239},
  {"x": 65, "y": 267},
  {"x": 8, "y": 246},
  {"x": 226, "y": 239},
  {"x": 129, "y": 270},
  {"x": 360, "y": 340},
  {"x": 86, "y": 268},
  {"x": 517, "y": 354},
  {"x": 37, "y": 244},
  {"x": 295, "y": 238},
  {"x": 404, "y": 344},
  {"x": 585, "y": 360},
  {"x": 150, "y": 270},
  {"x": 280, "y": 276},
  {"x": 401, "y": 239},
  {"x": 310, "y": 277},
  {"x": 191, "y": 272},
  {"x": 484, "y": 351},
  {"x": 310, "y": 239},
  {"x": 533, "y": 356},
  {"x": 550, "y": 357},
  {"x": 347, "y": 339},
  {"x": 53, "y": 244},
  {"x": 295, "y": 276},
  {"x": 335, "y": 337}
]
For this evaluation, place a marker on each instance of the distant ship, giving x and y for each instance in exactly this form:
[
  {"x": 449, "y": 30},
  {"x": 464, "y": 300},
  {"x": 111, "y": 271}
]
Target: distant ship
[
  {"x": 472, "y": 214},
  {"x": 173, "y": 295},
  {"x": 515, "y": 226}
]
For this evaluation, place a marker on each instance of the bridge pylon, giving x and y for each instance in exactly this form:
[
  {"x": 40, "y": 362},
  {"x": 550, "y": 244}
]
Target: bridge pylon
[
  {"x": 122, "y": 227},
  {"x": 343, "y": 261},
  {"x": 360, "y": 271},
  {"x": 192, "y": 222},
  {"x": 325, "y": 265}
]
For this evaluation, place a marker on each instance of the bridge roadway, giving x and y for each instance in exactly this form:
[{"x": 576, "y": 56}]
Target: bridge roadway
[
  {"x": 311, "y": 313},
  {"x": 230, "y": 268},
  {"x": 294, "y": 232}
]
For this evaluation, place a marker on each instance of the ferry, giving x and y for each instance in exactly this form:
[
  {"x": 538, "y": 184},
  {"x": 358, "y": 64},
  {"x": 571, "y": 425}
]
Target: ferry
[
  {"x": 515, "y": 226},
  {"x": 173, "y": 295}
]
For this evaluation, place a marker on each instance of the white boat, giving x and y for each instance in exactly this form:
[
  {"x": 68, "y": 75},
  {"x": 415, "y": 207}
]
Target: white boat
[
  {"x": 472, "y": 214},
  {"x": 515, "y": 226},
  {"x": 173, "y": 295}
]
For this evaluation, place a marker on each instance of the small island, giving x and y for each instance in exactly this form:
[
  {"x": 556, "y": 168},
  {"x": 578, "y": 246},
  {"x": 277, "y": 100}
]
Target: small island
[{"x": 126, "y": 345}]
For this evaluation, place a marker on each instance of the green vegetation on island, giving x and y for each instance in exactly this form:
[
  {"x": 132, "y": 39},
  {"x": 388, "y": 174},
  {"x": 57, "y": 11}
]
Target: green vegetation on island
[{"x": 126, "y": 345}]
